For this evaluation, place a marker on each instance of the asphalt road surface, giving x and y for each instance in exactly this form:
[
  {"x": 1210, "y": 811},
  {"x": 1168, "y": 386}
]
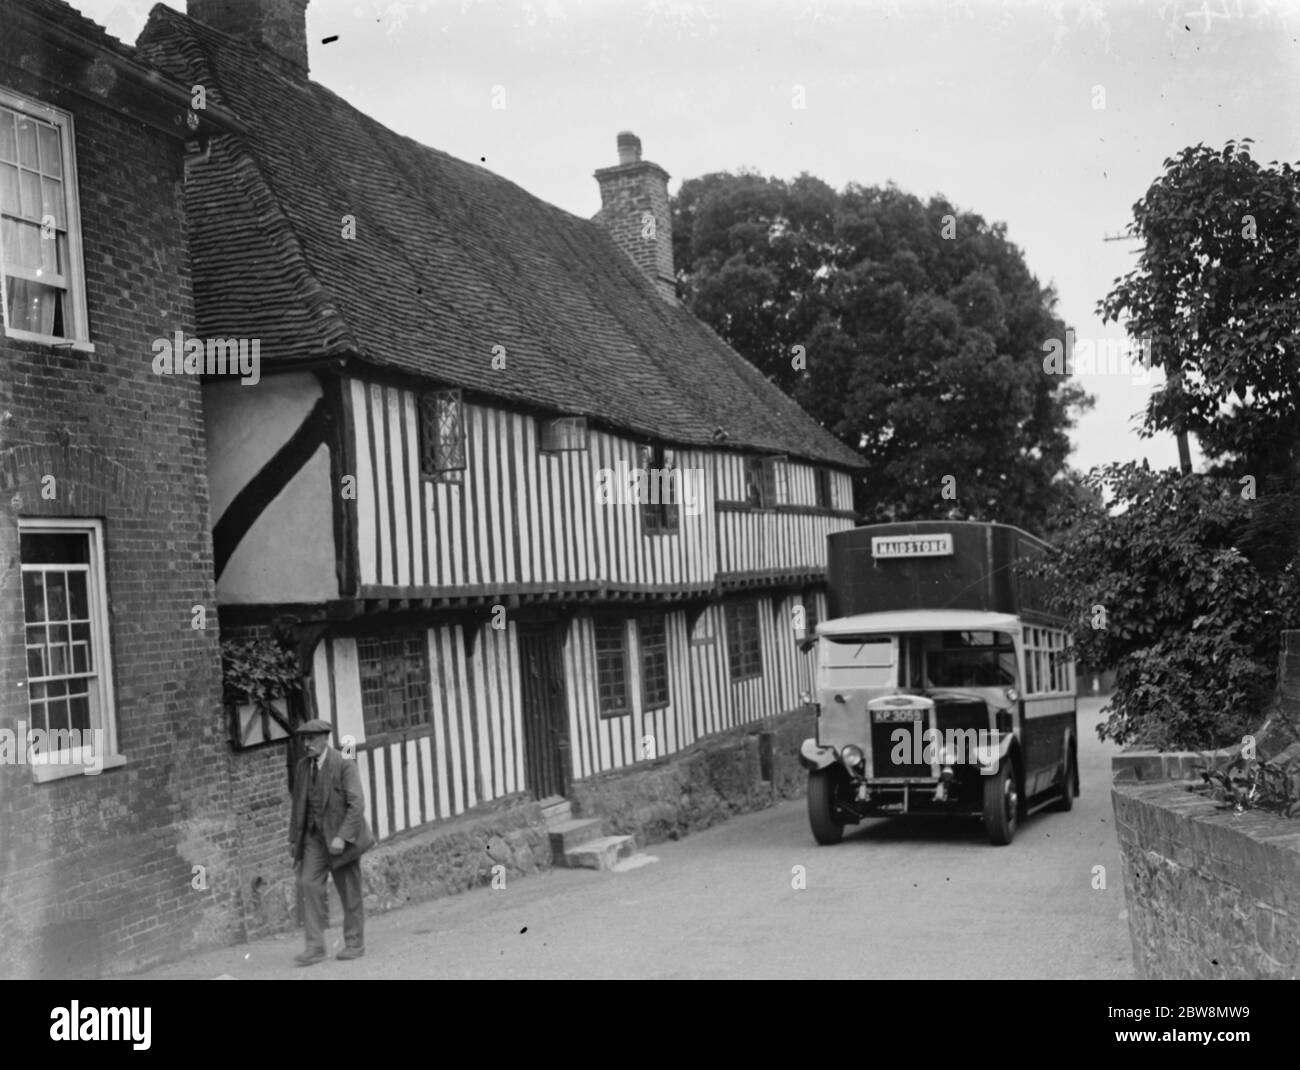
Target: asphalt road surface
[{"x": 898, "y": 898}]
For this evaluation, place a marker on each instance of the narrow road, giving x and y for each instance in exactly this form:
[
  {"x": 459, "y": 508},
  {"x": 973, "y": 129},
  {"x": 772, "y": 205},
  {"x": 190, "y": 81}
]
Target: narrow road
[{"x": 899, "y": 898}]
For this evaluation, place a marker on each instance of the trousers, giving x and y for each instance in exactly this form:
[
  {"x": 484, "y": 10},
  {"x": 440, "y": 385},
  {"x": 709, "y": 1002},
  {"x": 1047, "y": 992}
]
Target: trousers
[{"x": 313, "y": 879}]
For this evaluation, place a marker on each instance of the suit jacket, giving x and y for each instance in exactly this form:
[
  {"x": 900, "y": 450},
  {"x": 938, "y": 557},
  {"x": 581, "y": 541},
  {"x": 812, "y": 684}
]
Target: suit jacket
[{"x": 342, "y": 806}]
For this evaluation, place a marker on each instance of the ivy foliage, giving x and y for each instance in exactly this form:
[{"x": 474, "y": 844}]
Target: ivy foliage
[
  {"x": 257, "y": 670},
  {"x": 1160, "y": 589}
]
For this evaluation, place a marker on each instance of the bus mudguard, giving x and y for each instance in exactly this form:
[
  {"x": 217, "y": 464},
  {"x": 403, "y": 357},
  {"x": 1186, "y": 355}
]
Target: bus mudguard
[{"x": 813, "y": 756}]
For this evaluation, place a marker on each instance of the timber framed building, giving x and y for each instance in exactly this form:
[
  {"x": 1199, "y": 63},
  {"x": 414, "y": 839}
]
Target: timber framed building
[{"x": 456, "y": 379}]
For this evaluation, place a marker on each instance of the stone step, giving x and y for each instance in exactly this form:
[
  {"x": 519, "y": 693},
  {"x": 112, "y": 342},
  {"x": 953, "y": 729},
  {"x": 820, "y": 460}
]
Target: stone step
[
  {"x": 556, "y": 809},
  {"x": 635, "y": 861},
  {"x": 604, "y": 853},
  {"x": 566, "y": 835}
]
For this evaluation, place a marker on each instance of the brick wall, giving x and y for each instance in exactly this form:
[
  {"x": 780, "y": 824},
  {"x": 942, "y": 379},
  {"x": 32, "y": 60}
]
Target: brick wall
[
  {"x": 97, "y": 873},
  {"x": 1210, "y": 893},
  {"x": 630, "y": 194},
  {"x": 260, "y": 808}
]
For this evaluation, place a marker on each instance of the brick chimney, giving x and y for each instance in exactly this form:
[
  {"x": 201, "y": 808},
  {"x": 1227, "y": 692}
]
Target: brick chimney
[
  {"x": 277, "y": 25},
  {"x": 634, "y": 209}
]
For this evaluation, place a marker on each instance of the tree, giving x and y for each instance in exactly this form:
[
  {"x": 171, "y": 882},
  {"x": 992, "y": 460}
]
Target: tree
[
  {"x": 1216, "y": 297},
  {"x": 921, "y": 333},
  {"x": 1185, "y": 587}
]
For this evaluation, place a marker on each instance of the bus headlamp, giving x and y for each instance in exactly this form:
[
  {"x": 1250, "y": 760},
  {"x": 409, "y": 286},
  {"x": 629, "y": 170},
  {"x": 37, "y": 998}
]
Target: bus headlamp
[
  {"x": 852, "y": 756},
  {"x": 1012, "y": 694}
]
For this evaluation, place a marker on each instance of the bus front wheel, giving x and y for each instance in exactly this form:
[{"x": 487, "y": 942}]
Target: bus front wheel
[
  {"x": 824, "y": 788},
  {"x": 1001, "y": 804}
]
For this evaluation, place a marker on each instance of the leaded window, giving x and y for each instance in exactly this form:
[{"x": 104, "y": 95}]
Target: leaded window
[
  {"x": 660, "y": 490},
  {"x": 394, "y": 673},
  {"x": 653, "y": 634},
  {"x": 442, "y": 436},
  {"x": 611, "y": 666},
  {"x": 744, "y": 645}
]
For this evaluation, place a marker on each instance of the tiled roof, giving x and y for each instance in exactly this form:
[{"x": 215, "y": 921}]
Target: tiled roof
[
  {"x": 65, "y": 16},
  {"x": 449, "y": 261}
]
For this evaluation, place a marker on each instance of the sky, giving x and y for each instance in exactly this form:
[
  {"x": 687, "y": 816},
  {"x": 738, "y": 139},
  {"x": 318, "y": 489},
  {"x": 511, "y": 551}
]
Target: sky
[{"x": 1050, "y": 117}]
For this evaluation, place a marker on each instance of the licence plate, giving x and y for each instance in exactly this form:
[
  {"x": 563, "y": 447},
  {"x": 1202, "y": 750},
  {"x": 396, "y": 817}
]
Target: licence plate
[{"x": 889, "y": 716}]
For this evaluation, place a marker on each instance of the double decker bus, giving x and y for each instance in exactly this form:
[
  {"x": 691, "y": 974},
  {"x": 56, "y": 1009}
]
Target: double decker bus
[{"x": 943, "y": 684}]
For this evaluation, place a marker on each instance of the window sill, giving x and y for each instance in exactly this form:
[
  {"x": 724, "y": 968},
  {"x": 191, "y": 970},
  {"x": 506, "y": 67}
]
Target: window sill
[
  {"x": 50, "y": 340},
  {"x": 47, "y": 771}
]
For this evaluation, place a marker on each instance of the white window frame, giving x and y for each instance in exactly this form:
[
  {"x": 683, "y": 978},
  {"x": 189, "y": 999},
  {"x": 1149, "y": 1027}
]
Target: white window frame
[
  {"x": 564, "y": 434},
  {"x": 75, "y": 301},
  {"x": 97, "y": 592}
]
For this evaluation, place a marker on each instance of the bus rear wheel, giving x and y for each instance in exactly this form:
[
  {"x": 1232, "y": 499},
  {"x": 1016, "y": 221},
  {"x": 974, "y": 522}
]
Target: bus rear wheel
[
  {"x": 1070, "y": 787},
  {"x": 1001, "y": 804},
  {"x": 825, "y": 786}
]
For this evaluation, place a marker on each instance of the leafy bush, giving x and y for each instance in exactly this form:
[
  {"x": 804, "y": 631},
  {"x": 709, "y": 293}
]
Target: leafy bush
[
  {"x": 257, "y": 670},
  {"x": 1164, "y": 589}
]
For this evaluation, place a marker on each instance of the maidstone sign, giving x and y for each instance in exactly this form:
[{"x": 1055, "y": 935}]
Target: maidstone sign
[{"x": 912, "y": 546}]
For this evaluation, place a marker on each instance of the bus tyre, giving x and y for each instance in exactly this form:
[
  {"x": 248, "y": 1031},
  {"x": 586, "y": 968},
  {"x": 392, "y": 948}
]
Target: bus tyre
[
  {"x": 1001, "y": 804},
  {"x": 1070, "y": 786},
  {"x": 824, "y": 786}
]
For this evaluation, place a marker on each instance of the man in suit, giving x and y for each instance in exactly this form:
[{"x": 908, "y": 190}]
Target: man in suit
[{"x": 328, "y": 833}]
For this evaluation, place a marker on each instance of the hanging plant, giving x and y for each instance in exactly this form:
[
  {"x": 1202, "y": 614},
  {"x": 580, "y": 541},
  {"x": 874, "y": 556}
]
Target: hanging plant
[{"x": 257, "y": 671}]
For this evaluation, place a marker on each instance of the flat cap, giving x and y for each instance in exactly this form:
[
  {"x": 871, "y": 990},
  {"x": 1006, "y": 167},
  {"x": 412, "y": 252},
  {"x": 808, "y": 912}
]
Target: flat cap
[{"x": 315, "y": 728}]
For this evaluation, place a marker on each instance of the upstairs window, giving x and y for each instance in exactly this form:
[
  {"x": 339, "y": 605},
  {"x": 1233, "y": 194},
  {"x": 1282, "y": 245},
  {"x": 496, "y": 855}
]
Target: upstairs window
[
  {"x": 660, "y": 489},
  {"x": 766, "y": 482},
  {"x": 43, "y": 289},
  {"x": 563, "y": 434},
  {"x": 442, "y": 436},
  {"x": 394, "y": 671},
  {"x": 824, "y": 496}
]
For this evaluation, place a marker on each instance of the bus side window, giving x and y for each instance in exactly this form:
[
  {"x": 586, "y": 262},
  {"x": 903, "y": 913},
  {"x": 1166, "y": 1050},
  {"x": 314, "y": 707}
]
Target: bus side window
[{"x": 1031, "y": 661}]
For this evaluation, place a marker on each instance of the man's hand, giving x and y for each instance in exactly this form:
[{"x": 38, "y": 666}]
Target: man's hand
[{"x": 337, "y": 845}]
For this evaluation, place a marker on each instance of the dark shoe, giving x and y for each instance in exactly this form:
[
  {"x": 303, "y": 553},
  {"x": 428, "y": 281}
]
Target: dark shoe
[
  {"x": 351, "y": 953},
  {"x": 309, "y": 958}
]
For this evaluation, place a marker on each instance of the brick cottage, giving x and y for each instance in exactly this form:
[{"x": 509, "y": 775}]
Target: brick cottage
[{"x": 105, "y": 551}]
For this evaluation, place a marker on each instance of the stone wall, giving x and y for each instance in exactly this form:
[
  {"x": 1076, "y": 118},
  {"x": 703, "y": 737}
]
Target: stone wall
[
  {"x": 747, "y": 768},
  {"x": 443, "y": 859},
  {"x": 1210, "y": 893}
]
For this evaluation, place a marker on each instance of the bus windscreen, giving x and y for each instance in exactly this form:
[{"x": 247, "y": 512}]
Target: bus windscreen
[{"x": 858, "y": 662}]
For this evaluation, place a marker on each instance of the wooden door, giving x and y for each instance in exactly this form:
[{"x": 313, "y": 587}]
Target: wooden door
[{"x": 545, "y": 711}]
